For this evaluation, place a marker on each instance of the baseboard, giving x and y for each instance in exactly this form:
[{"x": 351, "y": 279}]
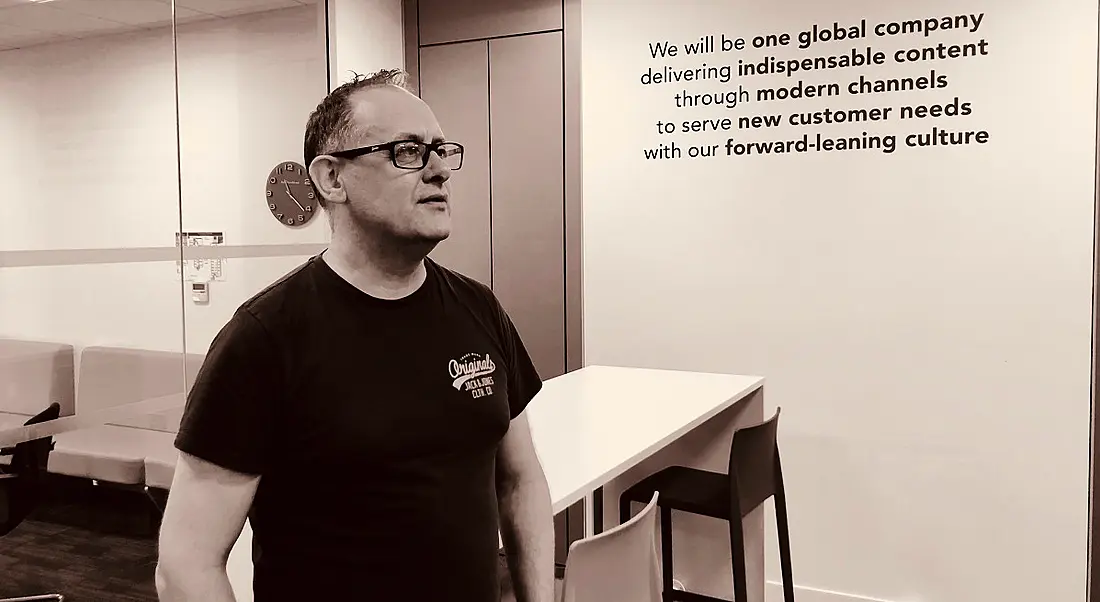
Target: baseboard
[{"x": 773, "y": 592}]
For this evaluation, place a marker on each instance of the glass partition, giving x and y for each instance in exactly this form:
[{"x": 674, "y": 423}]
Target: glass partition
[
  {"x": 136, "y": 139},
  {"x": 247, "y": 84}
]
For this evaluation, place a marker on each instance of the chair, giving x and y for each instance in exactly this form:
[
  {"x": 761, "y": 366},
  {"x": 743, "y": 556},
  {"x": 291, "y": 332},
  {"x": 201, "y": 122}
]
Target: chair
[
  {"x": 754, "y": 475},
  {"x": 20, "y": 484},
  {"x": 618, "y": 565}
]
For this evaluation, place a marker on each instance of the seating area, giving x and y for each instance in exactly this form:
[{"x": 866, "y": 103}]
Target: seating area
[{"x": 136, "y": 450}]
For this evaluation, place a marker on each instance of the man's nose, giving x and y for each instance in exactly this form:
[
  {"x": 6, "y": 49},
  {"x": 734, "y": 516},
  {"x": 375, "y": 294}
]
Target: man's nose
[{"x": 437, "y": 168}]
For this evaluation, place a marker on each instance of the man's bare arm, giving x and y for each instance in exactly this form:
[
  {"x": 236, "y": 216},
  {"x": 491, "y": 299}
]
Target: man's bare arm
[
  {"x": 527, "y": 521},
  {"x": 206, "y": 510}
]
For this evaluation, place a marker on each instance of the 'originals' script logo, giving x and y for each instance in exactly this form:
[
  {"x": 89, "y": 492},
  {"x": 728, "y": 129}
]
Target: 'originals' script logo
[{"x": 470, "y": 366}]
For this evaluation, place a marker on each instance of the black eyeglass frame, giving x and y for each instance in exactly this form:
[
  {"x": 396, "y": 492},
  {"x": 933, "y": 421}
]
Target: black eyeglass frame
[{"x": 429, "y": 147}]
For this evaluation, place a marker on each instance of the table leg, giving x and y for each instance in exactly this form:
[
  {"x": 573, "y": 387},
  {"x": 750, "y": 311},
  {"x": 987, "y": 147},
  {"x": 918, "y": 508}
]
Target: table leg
[
  {"x": 593, "y": 513},
  {"x": 597, "y": 510}
]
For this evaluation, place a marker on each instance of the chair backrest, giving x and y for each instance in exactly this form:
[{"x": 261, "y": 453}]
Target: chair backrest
[
  {"x": 755, "y": 475},
  {"x": 19, "y": 488},
  {"x": 618, "y": 565}
]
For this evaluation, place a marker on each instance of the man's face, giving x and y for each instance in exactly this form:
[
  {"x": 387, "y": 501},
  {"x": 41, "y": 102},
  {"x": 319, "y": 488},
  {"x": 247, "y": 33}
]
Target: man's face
[{"x": 401, "y": 204}]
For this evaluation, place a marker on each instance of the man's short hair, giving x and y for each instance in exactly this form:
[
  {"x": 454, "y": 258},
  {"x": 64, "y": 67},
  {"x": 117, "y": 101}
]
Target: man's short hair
[{"x": 330, "y": 125}]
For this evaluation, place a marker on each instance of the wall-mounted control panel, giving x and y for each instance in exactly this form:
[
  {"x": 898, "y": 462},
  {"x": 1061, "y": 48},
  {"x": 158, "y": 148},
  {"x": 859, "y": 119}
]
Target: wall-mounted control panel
[
  {"x": 201, "y": 262},
  {"x": 200, "y": 292}
]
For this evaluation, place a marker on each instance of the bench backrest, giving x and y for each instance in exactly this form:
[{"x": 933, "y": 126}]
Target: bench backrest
[
  {"x": 35, "y": 374},
  {"x": 115, "y": 376}
]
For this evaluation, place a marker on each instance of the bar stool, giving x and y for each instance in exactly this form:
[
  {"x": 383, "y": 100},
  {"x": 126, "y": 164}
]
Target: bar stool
[{"x": 754, "y": 475}]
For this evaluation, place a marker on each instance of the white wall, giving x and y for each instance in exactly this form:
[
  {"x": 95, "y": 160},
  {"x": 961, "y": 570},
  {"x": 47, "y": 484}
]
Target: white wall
[
  {"x": 367, "y": 35},
  {"x": 89, "y": 159},
  {"x": 923, "y": 317}
]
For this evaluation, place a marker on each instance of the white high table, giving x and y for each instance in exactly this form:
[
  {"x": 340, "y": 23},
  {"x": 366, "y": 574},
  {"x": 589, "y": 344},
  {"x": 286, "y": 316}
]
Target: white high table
[{"x": 605, "y": 428}]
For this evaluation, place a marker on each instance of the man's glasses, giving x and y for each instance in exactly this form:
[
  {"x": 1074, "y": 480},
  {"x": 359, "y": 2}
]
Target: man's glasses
[{"x": 410, "y": 154}]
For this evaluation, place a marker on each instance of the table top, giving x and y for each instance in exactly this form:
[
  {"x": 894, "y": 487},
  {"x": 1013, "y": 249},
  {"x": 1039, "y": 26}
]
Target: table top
[
  {"x": 591, "y": 425},
  {"x": 156, "y": 407}
]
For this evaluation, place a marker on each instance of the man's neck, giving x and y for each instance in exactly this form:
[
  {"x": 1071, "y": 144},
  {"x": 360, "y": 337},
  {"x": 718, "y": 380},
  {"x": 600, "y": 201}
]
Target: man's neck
[{"x": 386, "y": 275}]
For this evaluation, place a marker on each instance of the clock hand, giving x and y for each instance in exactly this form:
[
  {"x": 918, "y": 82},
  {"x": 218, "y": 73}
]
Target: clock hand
[{"x": 291, "y": 195}]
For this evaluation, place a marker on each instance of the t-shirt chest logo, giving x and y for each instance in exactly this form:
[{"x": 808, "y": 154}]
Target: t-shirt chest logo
[{"x": 473, "y": 372}]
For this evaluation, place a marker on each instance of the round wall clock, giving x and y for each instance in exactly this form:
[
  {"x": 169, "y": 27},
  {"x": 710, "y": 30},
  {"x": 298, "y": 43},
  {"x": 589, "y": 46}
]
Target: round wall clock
[{"x": 290, "y": 195}]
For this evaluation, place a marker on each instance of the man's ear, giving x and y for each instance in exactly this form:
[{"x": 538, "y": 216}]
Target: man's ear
[{"x": 324, "y": 171}]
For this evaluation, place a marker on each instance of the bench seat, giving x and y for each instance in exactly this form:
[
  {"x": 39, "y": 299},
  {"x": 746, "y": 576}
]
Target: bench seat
[
  {"x": 115, "y": 454},
  {"x": 160, "y": 467}
]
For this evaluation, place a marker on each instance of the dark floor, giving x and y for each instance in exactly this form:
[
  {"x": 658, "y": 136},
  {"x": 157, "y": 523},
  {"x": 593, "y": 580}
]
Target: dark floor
[
  {"x": 88, "y": 545},
  {"x": 92, "y": 544}
]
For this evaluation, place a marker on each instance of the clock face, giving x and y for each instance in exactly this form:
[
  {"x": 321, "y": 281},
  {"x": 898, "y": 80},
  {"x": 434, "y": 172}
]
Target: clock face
[{"x": 290, "y": 195}]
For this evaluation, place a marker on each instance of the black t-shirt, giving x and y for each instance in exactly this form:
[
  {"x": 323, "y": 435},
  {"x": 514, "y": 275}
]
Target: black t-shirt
[{"x": 374, "y": 425}]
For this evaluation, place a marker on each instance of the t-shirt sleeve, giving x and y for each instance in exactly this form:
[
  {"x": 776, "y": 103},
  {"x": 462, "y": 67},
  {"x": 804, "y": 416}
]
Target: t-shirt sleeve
[
  {"x": 524, "y": 381},
  {"x": 229, "y": 417}
]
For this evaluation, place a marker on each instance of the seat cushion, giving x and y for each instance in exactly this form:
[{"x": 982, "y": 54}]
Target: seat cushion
[
  {"x": 115, "y": 454},
  {"x": 160, "y": 467}
]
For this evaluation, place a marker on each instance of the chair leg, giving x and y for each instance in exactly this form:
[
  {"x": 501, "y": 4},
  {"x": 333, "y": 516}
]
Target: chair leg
[
  {"x": 668, "y": 593},
  {"x": 783, "y": 532},
  {"x": 784, "y": 549}
]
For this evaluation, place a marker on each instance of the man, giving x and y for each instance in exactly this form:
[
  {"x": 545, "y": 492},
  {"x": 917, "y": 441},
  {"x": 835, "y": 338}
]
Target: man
[{"x": 365, "y": 412}]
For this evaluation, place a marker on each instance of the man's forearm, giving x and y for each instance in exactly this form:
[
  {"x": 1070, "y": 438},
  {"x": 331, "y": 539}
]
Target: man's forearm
[
  {"x": 206, "y": 585},
  {"x": 527, "y": 528}
]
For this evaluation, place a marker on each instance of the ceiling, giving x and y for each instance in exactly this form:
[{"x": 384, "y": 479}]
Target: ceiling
[{"x": 30, "y": 22}]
